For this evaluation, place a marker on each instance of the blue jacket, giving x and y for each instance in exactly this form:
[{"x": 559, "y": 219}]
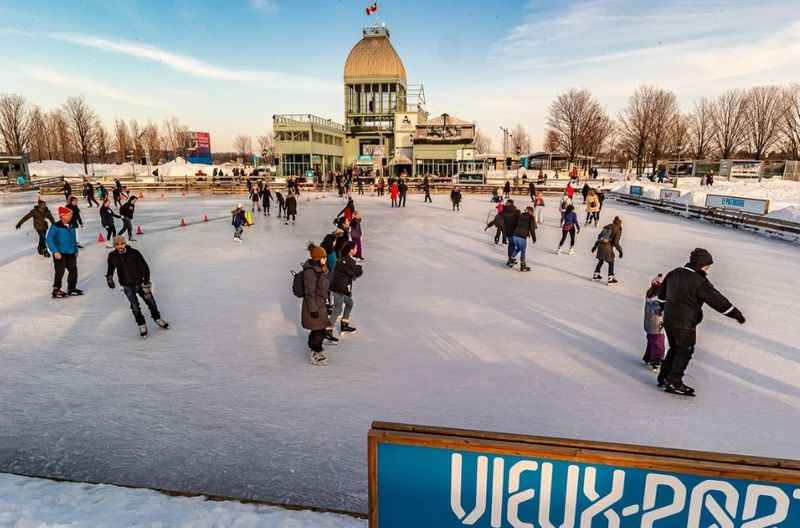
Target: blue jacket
[
  {"x": 571, "y": 219},
  {"x": 62, "y": 239}
]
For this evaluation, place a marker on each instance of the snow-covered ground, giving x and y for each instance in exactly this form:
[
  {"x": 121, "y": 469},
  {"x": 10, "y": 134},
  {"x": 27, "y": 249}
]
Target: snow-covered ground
[
  {"x": 224, "y": 403},
  {"x": 171, "y": 169},
  {"x": 37, "y": 503}
]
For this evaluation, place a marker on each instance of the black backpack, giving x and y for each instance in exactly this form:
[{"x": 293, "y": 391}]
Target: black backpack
[{"x": 298, "y": 286}]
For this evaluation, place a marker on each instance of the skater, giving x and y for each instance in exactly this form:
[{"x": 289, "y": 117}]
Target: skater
[
  {"x": 510, "y": 218},
  {"x": 497, "y": 223},
  {"x": 684, "y": 292},
  {"x": 532, "y": 191},
  {"x": 402, "y": 188},
  {"x": 607, "y": 240},
  {"x": 103, "y": 192},
  {"x": 426, "y": 188},
  {"x": 538, "y": 207},
  {"x": 77, "y": 221},
  {"x": 381, "y": 185},
  {"x": 134, "y": 277},
  {"x": 314, "y": 312},
  {"x": 67, "y": 190},
  {"x": 526, "y": 227},
  {"x": 347, "y": 212},
  {"x": 63, "y": 244},
  {"x": 238, "y": 222},
  {"x": 496, "y": 196},
  {"x": 360, "y": 185},
  {"x": 569, "y": 226},
  {"x": 507, "y": 190},
  {"x": 455, "y": 197},
  {"x": 342, "y": 288},
  {"x": 592, "y": 208},
  {"x": 126, "y": 213},
  {"x": 281, "y": 203},
  {"x": 562, "y": 207},
  {"x": 355, "y": 235},
  {"x": 117, "y": 193},
  {"x": 107, "y": 216},
  {"x": 255, "y": 200},
  {"x": 394, "y": 191},
  {"x": 266, "y": 199},
  {"x": 654, "y": 325},
  {"x": 88, "y": 192},
  {"x": 291, "y": 208},
  {"x": 585, "y": 191},
  {"x": 41, "y": 215}
]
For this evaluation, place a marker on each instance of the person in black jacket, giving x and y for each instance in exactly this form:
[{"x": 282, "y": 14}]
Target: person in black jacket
[
  {"x": 76, "y": 217},
  {"x": 107, "y": 216},
  {"x": 455, "y": 197},
  {"x": 510, "y": 218},
  {"x": 134, "y": 277},
  {"x": 67, "y": 190},
  {"x": 526, "y": 227},
  {"x": 88, "y": 192},
  {"x": 291, "y": 208},
  {"x": 344, "y": 274},
  {"x": 507, "y": 190},
  {"x": 402, "y": 186},
  {"x": 426, "y": 186},
  {"x": 40, "y": 214},
  {"x": 266, "y": 198},
  {"x": 126, "y": 213},
  {"x": 683, "y": 292}
]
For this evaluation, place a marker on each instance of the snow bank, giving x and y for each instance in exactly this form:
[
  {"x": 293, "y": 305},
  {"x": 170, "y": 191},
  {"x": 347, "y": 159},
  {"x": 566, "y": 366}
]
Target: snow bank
[
  {"x": 171, "y": 169},
  {"x": 30, "y": 502},
  {"x": 790, "y": 214}
]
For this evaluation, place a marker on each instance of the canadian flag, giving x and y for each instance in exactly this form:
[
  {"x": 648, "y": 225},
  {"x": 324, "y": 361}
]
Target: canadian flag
[{"x": 372, "y": 9}]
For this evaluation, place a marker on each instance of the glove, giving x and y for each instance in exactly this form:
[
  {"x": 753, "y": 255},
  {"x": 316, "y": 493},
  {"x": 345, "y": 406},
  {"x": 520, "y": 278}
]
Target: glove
[
  {"x": 314, "y": 315},
  {"x": 110, "y": 282},
  {"x": 736, "y": 314},
  {"x": 620, "y": 254},
  {"x": 18, "y": 226}
]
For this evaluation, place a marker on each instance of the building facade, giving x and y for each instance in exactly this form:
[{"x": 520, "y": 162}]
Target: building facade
[{"x": 306, "y": 145}]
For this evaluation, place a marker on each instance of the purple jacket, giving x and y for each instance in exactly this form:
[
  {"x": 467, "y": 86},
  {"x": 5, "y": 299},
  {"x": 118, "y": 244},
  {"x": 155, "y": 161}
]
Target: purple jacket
[{"x": 355, "y": 228}]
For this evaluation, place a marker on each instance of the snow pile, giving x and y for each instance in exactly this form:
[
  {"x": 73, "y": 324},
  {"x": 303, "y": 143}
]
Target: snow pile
[
  {"x": 173, "y": 169},
  {"x": 30, "y": 502},
  {"x": 790, "y": 214}
]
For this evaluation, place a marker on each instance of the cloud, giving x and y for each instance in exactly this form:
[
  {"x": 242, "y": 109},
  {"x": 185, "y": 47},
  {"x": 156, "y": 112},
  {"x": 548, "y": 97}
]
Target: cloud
[{"x": 267, "y": 6}]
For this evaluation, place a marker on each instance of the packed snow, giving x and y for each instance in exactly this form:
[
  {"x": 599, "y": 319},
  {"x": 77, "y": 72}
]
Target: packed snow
[
  {"x": 29, "y": 502},
  {"x": 171, "y": 169},
  {"x": 225, "y": 403}
]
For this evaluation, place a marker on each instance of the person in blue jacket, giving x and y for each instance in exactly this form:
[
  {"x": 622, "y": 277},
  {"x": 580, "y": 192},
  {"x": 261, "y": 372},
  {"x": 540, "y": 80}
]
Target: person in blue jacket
[
  {"x": 63, "y": 244},
  {"x": 569, "y": 226}
]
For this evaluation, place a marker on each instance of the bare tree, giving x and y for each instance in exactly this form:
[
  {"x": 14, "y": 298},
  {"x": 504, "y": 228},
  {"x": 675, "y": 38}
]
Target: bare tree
[
  {"x": 729, "y": 117},
  {"x": 636, "y": 125},
  {"x": 122, "y": 140},
  {"x": 60, "y": 138},
  {"x": 81, "y": 121},
  {"x": 665, "y": 110},
  {"x": 243, "y": 146},
  {"x": 174, "y": 137},
  {"x": 790, "y": 129},
  {"x": 764, "y": 110},
  {"x": 520, "y": 141},
  {"x": 266, "y": 146},
  {"x": 102, "y": 142},
  {"x": 483, "y": 143},
  {"x": 14, "y": 123},
  {"x": 136, "y": 140},
  {"x": 151, "y": 142},
  {"x": 551, "y": 143},
  {"x": 578, "y": 123},
  {"x": 37, "y": 135},
  {"x": 701, "y": 128},
  {"x": 679, "y": 138}
]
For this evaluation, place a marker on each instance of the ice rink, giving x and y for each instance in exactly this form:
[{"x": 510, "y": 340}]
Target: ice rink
[{"x": 225, "y": 403}]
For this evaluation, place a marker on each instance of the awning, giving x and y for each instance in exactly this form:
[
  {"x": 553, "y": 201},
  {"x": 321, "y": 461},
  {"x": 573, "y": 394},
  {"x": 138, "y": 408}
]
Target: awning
[{"x": 400, "y": 160}]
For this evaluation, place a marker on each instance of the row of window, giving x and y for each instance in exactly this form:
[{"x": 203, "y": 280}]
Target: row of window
[
  {"x": 303, "y": 135},
  {"x": 439, "y": 167},
  {"x": 375, "y": 98},
  {"x": 300, "y": 164}
]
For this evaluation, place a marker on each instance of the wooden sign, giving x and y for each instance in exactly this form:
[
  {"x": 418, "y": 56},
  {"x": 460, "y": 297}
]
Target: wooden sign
[{"x": 435, "y": 477}]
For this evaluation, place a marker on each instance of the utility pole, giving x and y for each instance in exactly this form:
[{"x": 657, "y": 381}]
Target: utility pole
[{"x": 505, "y": 152}]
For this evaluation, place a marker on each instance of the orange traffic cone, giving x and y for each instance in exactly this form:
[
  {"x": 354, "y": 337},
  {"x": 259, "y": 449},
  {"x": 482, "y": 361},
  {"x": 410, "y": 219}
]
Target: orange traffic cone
[
  {"x": 101, "y": 238},
  {"x": 141, "y": 195},
  {"x": 205, "y": 217},
  {"x": 139, "y": 230},
  {"x": 183, "y": 222}
]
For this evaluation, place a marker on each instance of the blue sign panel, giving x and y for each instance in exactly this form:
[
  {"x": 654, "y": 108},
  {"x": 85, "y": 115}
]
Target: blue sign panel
[
  {"x": 421, "y": 486},
  {"x": 636, "y": 190}
]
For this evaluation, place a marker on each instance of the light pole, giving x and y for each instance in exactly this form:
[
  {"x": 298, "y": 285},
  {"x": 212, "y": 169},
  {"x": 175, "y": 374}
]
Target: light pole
[{"x": 505, "y": 152}]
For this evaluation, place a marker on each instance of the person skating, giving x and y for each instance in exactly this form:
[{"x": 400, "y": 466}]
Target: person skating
[
  {"x": 291, "y": 208},
  {"x": 510, "y": 218},
  {"x": 592, "y": 208},
  {"x": 88, "y": 192},
  {"x": 281, "y": 203},
  {"x": 497, "y": 223},
  {"x": 355, "y": 235},
  {"x": 76, "y": 221},
  {"x": 654, "y": 325},
  {"x": 126, "y": 212},
  {"x": 107, "y": 216},
  {"x": 538, "y": 207},
  {"x": 394, "y": 191},
  {"x": 526, "y": 227},
  {"x": 381, "y": 185},
  {"x": 117, "y": 193},
  {"x": 238, "y": 222},
  {"x": 570, "y": 225},
  {"x": 314, "y": 311},
  {"x": 402, "y": 188},
  {"x": 585, "y": 191},
  {"x": 455, "y": 197},
  {"x": 266, "y": 199},
  {"x": 347, "y": 212},
  {"x": 684, "y": 292},
  {"x": 41, "y": 215},
  {"x": 342, "y": 288},
  {"x": 426, "y": 187},
  {"x": 63, "y": 244},
  {"x": 607, "y": 240},
  {"x": 507, "y": 190},
  {"x": 532, "y": 191},
  {"x": 133, "y": 275},
  {"x": 255, "y": 200},
  {"x": 360, "y": 185},
  {"x": 67, "y": 190},
  {"x": 103, "y": 192},
  {"x": 562, "y": 207}
]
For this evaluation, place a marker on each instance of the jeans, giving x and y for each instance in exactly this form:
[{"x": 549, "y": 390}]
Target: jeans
[
  {"x": 600, "y": 267},
  {"x": 520, "y": 246},
  {"x": 537, "y": 211},
  {"x": 340, "y": 300},
  {"x": 68, "y": 263},
  {"x": 681, "y": 349},
  {"x": 511, "y": 247},
  {"x": 499, "y": 233},
  {"x": 42, "y": 241},
  {"x": 127, "y": 225},
  {"x": 132, "y": 294},
  {"x": 237, "y": 232}
]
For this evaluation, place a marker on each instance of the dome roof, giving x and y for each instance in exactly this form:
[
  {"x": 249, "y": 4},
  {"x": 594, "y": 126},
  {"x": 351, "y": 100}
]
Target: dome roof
[{"x": 374, "y": 57}]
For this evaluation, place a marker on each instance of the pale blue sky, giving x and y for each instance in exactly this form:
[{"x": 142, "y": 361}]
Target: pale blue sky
[{"x": 226, "y": 66}]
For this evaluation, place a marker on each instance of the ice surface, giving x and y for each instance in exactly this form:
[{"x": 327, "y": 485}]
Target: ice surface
[
  {"x": 224, "y": 402},
  {"x": 27, "y": 502}
]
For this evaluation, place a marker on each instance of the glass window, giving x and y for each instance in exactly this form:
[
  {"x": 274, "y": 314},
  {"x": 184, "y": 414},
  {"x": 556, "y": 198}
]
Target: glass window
[{"x": 385, "y": 107}]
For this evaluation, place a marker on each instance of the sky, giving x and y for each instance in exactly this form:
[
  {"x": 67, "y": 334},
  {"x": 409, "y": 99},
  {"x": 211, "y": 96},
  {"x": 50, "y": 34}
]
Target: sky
[{"x": 226, "y": 66}]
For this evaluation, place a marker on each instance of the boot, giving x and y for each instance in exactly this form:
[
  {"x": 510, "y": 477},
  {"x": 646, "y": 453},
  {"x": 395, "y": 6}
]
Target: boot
[
  {"x": 317, "y": 359},
  {"x": 332, "y": 339},
  {"x": 345, "y": 327},
  {"x": 58, "y": 293},
  {"x": 597, "y": 277},
  {"x": 679, "y": 389},
  {"x": 45, "y": 253},
  {"x": 523, "y": 266},
  {"x": 162, "y": 323},
  {"x": 74, "y": 292},
  {"x": 142, "y": 330}
]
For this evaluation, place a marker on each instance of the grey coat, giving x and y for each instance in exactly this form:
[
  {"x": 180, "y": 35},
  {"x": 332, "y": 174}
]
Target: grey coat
[
  {"x": 315, "y": 282},
  {"x": 653, "y": 316}
]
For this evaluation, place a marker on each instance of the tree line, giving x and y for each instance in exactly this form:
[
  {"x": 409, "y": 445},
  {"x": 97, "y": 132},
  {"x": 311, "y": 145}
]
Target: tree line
[
  {"x": 74, "y": 133},
  {"x": 760, "y": 123}
]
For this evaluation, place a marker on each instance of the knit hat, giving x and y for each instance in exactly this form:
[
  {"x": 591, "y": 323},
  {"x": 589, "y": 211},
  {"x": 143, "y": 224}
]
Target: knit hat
[
  {"x": 317, "y": 253},
  {"x": 700, "y": 258},
  {"x": 63, "y": 211}
]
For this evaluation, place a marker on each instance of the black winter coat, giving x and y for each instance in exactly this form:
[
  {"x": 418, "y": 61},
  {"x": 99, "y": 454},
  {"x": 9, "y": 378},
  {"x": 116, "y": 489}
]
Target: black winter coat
[
  {"x": 455, "y": 197},
  {"x": 510, "y": 218},
  {"x": 107, "y": 216},
  {"x": 291, "y": 205},
  {"x": 76, "y": 216},
  {"x": 132, "y": 270},
  {"x": 127, "y": 209},
  {"x": 684, "y": 292},
  {"x": 526, "y": 227},
  {"x": 344, "y": 274},
  {"x": 40, "y": 215}
]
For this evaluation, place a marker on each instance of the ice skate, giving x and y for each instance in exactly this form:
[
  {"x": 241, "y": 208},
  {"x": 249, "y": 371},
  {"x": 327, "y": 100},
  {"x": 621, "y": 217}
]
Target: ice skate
[
  {"x": 58, "y": 293},
  {"x": 680, "y": 389},
  {"x": 142, "y": 330},
  {"x": 572, "y": 251},
  {"x": 597, "y": 277},
  {"x": 74, "y": 292},
  {"x": 329, "y": 337},
  {"x": 162, "y": 323},
  {"x": 345, "y": 328},
  {"x": 612, "y": 280},
  {"x": 523, "y": 266},
  {"x": 45, "y": 254},
  {"x": 558, "y": 250},
  {"x": 655, "y": 366},
  {"x": 318, "y": 359}
]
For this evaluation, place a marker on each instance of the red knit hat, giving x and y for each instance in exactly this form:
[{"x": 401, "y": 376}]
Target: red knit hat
[{"x": 64, "y": 211}]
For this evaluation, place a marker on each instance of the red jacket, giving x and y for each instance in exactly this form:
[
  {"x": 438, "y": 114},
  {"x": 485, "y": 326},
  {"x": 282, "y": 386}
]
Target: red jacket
[{"x": 395, "y": 190}]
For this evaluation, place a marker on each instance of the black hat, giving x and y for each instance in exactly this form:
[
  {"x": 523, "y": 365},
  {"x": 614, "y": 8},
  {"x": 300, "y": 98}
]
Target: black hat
[{"x": 700, "y": 258}]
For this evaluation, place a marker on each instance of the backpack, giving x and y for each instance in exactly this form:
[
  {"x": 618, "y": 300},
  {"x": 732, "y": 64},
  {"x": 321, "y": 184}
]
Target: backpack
[
  {"x": 605, "y": 235},
  {"x": 298, "y": 286}
]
